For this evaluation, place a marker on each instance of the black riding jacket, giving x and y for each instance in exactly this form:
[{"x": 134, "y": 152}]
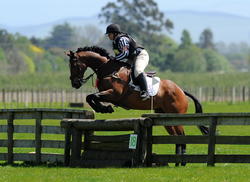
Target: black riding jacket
[{"x": 124, "y": 40}]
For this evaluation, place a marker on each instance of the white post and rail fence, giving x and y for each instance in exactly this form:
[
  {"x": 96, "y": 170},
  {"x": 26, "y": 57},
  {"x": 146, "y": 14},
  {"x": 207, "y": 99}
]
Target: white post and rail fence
[{"x": 45, "y": 98}]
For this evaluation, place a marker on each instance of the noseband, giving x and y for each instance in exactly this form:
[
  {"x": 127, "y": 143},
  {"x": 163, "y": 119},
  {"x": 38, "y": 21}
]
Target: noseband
[{"x": 84, "y": 80}]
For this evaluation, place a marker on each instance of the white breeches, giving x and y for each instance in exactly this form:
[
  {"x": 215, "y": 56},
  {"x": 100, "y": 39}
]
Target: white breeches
[{"x": 141, "y": 62}]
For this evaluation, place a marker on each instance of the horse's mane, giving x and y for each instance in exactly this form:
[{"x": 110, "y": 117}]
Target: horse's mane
[
  {"x": 96, "y": 49},
  {"x": 103, "y": 52}
]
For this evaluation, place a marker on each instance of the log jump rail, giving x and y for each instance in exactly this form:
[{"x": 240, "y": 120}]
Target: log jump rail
[
  {"x": 38, "y": 129},
  {"x": 107, "y": 149}
]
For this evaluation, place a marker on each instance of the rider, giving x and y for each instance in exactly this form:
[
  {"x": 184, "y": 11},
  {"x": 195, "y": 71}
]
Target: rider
[{"x": 125, "y": 47}]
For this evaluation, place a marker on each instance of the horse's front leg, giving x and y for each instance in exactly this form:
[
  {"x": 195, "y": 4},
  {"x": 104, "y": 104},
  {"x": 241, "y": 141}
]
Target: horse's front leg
[{"x": 94, "y": 100}]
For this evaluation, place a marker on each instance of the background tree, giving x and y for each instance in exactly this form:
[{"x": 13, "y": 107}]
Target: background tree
[
  {"x": 162, "y": 52},
  {"x": 136, "y": 16},
  {"x": 235, "y": 53},
  {"x": 87, "y": 36},
  {"x": 189, "y": 59},
  {"x": 186, "y": 40},
  {"x": 206, "y": 39},
  {"x": 144, "y": 21},
  {"x": 61, "y": 36},
  {"x": 6, "y": 40},
  {"x": 216, "y": 62}
]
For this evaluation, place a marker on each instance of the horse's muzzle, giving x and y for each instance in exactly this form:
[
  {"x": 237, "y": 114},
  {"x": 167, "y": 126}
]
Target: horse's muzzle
[{"x": 76, "y": 83}]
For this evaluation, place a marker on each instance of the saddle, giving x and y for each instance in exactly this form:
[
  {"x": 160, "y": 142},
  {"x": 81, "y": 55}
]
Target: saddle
[{"x": 151, "y": 74}]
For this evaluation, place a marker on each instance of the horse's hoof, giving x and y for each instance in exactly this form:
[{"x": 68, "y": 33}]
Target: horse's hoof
[
  {"x": 110, "y": 109},
  {"x": 183, "y": 164},
  {"x": 98, "y": 110}
]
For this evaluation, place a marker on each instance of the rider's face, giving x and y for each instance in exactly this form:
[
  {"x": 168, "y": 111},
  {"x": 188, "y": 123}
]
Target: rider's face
[{"x": 111, "y": 36}]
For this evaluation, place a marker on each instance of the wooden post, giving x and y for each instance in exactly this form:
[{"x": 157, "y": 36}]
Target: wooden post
[
  {"x": 38, "y": 136},
  {"x": 136, "y": 161},
  {"x": 10, "y": 131},
  {"x": 148, "y": 128},
  {"x": 244, "y": 94},
  {"x": 233, "y": 95},
  {"x": 62, "y": 98},
  {"x": 200, "y": 94},
  {"x": 76, "y": 147},
  {"x": 213, "y": 95},
  {"x": 86, "y": 143},
  {"x": 3, "y": 99},
  {"x": 212, "y": 142},
  {"x": 67, "y": 146}
]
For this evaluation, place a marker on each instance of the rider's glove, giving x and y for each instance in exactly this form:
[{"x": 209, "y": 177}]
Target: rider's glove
[{"x": 112, "y": 58}]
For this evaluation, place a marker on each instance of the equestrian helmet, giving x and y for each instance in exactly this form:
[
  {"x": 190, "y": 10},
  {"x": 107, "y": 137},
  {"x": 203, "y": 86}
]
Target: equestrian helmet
[{"x": 113, "y": 28}]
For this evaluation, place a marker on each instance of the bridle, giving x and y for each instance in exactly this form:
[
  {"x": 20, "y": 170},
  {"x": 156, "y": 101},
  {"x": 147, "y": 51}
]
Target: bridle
[{"x": 85, "y": 80}]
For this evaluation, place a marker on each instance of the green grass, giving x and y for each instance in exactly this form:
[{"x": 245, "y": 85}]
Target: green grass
[
  {"x": 224, "y": 173},
  {"x": 190, "y": 173}
]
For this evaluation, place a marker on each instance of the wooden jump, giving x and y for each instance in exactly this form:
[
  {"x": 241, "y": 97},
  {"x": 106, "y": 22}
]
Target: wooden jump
[{"x": 105, "y": 150}]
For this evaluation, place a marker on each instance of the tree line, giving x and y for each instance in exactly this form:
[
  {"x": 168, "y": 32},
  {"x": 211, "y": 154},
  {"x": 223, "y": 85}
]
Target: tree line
[{"x": 140, "y": 18}]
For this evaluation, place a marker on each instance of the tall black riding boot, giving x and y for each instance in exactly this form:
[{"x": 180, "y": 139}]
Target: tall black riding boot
[{"x": 143, "y": 86}]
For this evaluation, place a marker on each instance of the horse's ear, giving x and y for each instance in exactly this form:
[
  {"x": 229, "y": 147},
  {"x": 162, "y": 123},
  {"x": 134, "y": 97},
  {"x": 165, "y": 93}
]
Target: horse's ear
[{"x": 69, "y": 53}]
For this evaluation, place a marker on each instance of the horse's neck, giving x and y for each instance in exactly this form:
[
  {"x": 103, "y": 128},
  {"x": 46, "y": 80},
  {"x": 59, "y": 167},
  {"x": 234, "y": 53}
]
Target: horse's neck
[
  {"x": 95, "y": 64},
  {"x": 110, "y": 68}
]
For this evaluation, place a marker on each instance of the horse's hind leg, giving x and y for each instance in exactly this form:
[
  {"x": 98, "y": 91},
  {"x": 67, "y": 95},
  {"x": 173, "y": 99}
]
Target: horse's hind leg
[{"x": 180, "y": 149}]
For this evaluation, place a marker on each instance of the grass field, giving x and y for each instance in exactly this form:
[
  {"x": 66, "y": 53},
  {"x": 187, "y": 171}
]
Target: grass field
[{"x": 190, "y": 173}]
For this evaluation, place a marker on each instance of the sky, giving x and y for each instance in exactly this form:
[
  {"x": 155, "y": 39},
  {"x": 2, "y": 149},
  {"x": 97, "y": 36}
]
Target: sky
[{"x": 35, "y": 12}]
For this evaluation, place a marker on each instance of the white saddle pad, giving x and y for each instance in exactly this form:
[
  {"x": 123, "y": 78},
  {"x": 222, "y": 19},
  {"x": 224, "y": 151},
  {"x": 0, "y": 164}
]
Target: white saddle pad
[{"x": 153, "y": 85}]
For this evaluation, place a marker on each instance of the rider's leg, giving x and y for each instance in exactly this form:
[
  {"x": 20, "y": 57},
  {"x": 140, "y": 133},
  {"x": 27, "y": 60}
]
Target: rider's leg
[
  {"x": 143, "y": 85},
  {"x": 141, "y": 61}
]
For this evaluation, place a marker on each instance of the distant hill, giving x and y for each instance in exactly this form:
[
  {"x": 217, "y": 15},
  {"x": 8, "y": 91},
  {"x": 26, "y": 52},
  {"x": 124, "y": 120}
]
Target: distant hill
[{"x": 226, "y": 27}]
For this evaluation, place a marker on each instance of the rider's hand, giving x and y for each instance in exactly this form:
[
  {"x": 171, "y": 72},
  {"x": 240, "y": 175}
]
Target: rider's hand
[{"x": 112, "y": 58}]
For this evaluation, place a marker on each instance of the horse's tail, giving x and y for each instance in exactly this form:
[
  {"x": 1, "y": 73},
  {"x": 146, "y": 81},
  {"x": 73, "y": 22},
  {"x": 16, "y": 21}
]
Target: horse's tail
[{"x": 198, "y": 109}]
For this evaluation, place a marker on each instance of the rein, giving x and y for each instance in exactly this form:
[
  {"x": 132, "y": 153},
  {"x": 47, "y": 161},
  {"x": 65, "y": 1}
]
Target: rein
[{"x": 84, "y": 80}]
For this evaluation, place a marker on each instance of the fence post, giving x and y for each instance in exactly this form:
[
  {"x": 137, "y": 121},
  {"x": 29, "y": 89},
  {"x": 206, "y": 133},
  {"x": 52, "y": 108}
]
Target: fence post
[
  {"x": 200, "y": 94},
  {"x": 213, "y": 94},
  {"x": 3, "y": 98},
  {"x": 38, "y": 136},
  {"x": 244, "y": 94},
  {"x": 76, "y": 147},
  {"x": 138, "y": 151},
  {"x": 67, "y": 146},
  {"x": 233, "y": 95},
  {"x": 212, "y": 141},
  {"x": 148, "y": 127},
  {"x": 63, "y": 98},
  {"x": 10, "y": 137}
]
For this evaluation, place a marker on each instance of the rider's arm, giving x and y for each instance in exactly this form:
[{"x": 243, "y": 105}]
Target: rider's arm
[{"x": 123, "y": 46}]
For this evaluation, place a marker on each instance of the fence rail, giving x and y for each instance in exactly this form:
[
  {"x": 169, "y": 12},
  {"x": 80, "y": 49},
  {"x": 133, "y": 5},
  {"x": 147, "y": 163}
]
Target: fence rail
[
  {"x": 43, "y": 98},
  {"x": 221, "y": 94},
  {"x": 38, "y": 129},
  {"x": 213, "y": 120},
  {"x": 63, "y": 97}
]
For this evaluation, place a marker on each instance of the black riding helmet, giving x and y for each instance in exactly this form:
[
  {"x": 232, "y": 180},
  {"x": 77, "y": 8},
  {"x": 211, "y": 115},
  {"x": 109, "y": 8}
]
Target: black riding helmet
[{"x": 113, "y": 28}]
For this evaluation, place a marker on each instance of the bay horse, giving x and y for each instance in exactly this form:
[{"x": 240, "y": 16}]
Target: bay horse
[{"x": 113, "y": 85}]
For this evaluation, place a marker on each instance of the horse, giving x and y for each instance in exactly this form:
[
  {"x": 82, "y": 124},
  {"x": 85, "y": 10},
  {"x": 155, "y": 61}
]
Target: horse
[{"x": 113, "y": 86}]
